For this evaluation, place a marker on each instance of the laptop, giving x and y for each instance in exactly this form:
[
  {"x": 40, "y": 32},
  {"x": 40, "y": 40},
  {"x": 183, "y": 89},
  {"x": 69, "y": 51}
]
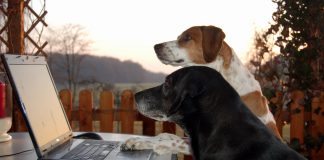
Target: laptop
[{"x": 47, "y": 123}]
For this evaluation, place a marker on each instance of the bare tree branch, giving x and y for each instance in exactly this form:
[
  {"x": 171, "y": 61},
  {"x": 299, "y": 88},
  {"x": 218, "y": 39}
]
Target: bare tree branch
[{"x": 72, "y": 41}]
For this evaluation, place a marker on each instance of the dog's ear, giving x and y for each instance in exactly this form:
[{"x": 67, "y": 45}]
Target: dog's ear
[
  {"x": 212, "y": 41},
  {"x": 195, "y": 90},
  {"x": 191, "y": 92}
]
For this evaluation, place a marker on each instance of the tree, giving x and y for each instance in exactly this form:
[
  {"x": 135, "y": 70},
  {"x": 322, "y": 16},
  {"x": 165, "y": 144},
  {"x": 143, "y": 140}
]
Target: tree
[
  {"x": 289, "y": 55},
  {"x": 269, "y": 67},
  {"x": 297, "y": 31},
  {"x": 72, "y": 41}
]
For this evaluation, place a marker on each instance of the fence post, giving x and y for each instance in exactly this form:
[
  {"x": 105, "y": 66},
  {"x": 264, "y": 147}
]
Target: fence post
[
  {"x": 317, "y": 128},
  {"x": 148, "y": 124},
  {"x": 297, "y": 116},
  {"x": 169, "y": 127},
  {"x": 106, "y": 111},
  {"x": 66, "y": 99},
  {"x": 85, "y": 110},
  {"x": 127, "y": 112}
]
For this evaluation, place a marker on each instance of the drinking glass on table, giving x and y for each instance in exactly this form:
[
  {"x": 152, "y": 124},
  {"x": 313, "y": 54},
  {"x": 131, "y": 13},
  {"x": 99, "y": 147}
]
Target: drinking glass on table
[{"x": 5, "y": 109}]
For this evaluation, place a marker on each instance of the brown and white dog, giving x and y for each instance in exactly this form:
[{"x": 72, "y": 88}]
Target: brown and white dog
[{"x": 205, "y": 46}]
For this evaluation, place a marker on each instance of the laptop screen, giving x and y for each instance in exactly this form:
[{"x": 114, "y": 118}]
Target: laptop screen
[{"x": 38, "y": 98}]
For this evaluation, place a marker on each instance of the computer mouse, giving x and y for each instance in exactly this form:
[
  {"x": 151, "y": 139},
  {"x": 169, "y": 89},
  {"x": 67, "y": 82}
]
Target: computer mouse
[{"x": 88, "y": 135}]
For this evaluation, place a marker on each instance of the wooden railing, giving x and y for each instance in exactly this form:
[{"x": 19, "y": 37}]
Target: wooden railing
[{"x": 107, "y": 114}]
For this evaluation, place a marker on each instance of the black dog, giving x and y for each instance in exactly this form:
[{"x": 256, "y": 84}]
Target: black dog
[{"x": 211, "y": 112}]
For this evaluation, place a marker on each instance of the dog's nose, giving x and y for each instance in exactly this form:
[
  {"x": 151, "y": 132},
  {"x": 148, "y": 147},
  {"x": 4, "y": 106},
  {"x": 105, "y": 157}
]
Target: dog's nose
[{"x": 158, "y": 47}]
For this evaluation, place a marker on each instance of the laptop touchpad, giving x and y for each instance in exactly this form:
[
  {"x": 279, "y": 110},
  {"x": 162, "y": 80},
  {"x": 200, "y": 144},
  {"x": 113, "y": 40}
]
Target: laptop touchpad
[{"x": 135, "y": 155}]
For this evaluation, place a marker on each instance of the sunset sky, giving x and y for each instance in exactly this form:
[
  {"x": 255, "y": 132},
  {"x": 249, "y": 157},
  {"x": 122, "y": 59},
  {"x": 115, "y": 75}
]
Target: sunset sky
[{"x": 128, "y": 29}]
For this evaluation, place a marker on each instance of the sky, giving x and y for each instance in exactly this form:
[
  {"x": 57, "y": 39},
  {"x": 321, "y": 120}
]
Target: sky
[{"x": 128, "y": 29}]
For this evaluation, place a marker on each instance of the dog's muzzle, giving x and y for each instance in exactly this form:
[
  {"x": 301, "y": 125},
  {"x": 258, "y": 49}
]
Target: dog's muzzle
[
  {"x": 160, "y": 53},
  {"x": 149, "y": 106},
  {"x": 158, "y": 48},
  {"x": 170, "y": 53}
]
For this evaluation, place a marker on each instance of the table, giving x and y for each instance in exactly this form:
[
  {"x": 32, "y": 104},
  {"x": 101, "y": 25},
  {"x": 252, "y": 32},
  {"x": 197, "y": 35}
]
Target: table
[{"x": 21, "y": 142}]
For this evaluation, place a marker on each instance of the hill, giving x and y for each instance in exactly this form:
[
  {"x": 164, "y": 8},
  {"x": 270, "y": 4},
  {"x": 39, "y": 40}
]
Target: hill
[{"x": 100, "y": 69}]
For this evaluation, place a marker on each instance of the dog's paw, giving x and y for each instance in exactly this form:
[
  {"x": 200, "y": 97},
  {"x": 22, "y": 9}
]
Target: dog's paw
[
  {"x": 136, "y": 144},
  {"x": 163, "y": 143},
  {"x": 168, "y": 136},
  {"x": 172, "y": 143}
]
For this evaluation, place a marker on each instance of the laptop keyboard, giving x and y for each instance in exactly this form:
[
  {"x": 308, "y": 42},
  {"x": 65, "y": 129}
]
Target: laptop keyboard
[{"x": 91, "y": 150}]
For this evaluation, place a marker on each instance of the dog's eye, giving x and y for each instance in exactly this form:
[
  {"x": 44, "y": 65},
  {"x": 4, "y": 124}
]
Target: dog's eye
[
  {"x": 166, "y": 87},
  {"x": 167, "y": 83},
  {"x": 187, "y": 38}
]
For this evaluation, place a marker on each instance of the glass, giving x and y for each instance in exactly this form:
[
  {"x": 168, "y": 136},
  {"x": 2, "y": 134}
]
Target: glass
[{"x": 5, "y": 108}]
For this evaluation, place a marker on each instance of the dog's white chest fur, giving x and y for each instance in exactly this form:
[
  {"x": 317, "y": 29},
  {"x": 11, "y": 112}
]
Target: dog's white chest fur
[{"x": 236, "y": 74}]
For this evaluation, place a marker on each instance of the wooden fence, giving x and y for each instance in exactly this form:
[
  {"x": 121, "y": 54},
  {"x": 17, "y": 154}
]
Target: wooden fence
[
  {"x": 107, "y": 114},
  {"x": 305, "y": 126}
]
